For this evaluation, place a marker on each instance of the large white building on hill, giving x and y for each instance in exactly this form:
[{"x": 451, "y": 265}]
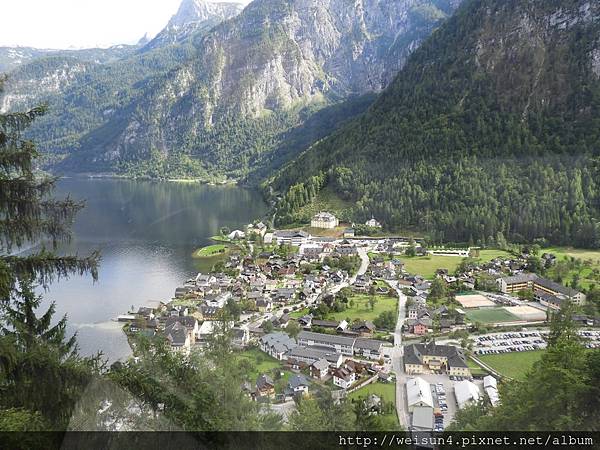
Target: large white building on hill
[{"x": 324, "y": 220}]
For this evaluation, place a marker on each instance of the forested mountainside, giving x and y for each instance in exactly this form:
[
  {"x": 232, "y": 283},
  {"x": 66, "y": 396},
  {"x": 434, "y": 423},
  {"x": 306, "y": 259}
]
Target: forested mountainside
[
  {"x": 83, "y": 93},
  {"x": 228, "y": 109},
  {"x": 13, "y": 57},
  {"x": 493, "y": 126}
]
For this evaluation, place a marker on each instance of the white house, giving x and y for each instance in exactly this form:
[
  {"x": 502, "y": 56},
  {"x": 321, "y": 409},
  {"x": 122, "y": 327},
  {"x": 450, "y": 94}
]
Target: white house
[
  {"x": 236, "y": 234},
  {"x": 286, "y": 237},
  {"x": 179, "y": 338},
  {"x": 259, "y": 229},
  {"x": 373, "y": 223},
  {"x": 418, "y": 394},
  {"x": 466, "y": 392},
  {"x": 277, "y": 344},
  {"x": 344, "y": 377}
]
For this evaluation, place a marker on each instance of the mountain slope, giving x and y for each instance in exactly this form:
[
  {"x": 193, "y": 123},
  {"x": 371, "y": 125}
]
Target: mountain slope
[
  {"x": 14, "y": 57},
  {"x": 250, "y": 81},
  {"x": 492, "y": 127},
  {"x": 83, "y": 94},
  {"x": 191, "y": 17}
]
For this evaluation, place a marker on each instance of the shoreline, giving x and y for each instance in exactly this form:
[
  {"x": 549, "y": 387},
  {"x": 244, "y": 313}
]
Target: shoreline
[{"x": 116, "y": 176}]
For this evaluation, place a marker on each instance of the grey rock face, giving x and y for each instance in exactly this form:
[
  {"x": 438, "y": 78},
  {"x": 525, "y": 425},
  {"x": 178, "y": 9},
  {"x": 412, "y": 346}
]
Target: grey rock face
[
  {"x": 192, "y": 16},
  {"x": 277, "y": 55}
]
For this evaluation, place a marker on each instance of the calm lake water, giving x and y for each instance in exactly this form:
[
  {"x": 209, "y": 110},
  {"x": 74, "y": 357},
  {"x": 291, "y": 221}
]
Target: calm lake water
[{"x": 146, "y": 232}]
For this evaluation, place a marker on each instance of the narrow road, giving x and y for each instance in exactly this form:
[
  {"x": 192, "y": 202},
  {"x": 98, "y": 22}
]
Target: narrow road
[{"x": 397, "y": 354}]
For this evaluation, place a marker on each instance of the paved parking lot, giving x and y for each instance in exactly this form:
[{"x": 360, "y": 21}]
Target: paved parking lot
[
  {"x": 450, "y": 399},
  {"x": 519, "y": 341}
]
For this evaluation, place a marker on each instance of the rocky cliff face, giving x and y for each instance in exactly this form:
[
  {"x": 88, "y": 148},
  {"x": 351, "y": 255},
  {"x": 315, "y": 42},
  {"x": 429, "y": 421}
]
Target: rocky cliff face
[
  {"x": 35, "y": 82},
  {"x": 192, "y": 16},
  {"x": 277, "y": 55}
]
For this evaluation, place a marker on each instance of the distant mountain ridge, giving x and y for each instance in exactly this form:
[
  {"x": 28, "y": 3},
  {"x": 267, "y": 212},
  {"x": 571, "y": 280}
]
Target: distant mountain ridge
[
  {"x": 14, "y": 57},
  {"x": 251, "y": 79},
  {"x": 192, "y": 16}
]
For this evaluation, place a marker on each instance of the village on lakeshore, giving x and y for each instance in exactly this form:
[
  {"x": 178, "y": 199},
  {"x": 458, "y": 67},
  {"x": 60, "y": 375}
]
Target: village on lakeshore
[{"x": 414, "y": 331}]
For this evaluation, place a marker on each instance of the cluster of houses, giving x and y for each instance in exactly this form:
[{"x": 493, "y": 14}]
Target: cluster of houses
[
  {"x": 324, "y": 355},
  {"x": 263, "y": 283},
  {"x": 420, "y": 318},
  {"x": 179, "y": 327},
  {"x": 264, "y": 388},
  {"x": 386, "y": 270}
]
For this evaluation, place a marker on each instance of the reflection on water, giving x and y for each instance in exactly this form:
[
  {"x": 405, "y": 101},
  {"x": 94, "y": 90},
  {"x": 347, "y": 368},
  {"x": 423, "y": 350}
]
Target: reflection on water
[{"x": 146, "y": 232}]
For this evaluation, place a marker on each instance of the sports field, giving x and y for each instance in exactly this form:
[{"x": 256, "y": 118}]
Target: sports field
[
  {"x": 525, "y": 312},
  {"x": 474, "y": 301},
  {"x": 491, "y": 315},
  {"x": 513, "y": 365}
]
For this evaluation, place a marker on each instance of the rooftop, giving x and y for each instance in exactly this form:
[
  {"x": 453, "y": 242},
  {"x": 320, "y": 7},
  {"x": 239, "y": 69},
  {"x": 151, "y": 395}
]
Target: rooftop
[{"x": 326, "y": 338}]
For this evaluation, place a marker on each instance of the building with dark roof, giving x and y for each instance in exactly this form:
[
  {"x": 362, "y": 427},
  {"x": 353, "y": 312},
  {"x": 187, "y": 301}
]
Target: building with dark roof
[
  {"x": 341, "y": 344},
  {"x": 309, "y": 355},
  {"x": 277, "y": 344},
  {"x": 540, "y": 286},
  {"x": 286, "y": 237},
  {"x": 178, "y": 337},
  {"x": 424, "y": 358},
  {"x": 368, "y": 348}
]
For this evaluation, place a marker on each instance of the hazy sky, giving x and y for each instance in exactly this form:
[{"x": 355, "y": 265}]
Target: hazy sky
[{"x": 82, "y": 23}]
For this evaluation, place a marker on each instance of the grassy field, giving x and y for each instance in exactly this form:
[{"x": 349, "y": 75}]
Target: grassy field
[
  {"x": 591, "y": 259},
  {"x": 211, "y": 251},
  {"x": 490, "y": 315},
  {"x": 326, "y": 200},
  {"x": 475, "y": 369},
  {"x": 362, "y": 310},
  {"x": 387, "y": 392},
  {"x": 261, "y": 362},
  {"x": 427, "y": 265},
  {"x": 487, "y": 255},
  {"x": 219, "y": 238},
  {"x": 336, "y": 232},
  {"x": 513, "y": 365},
  {"x": 299, "y": 313},
  {"x": 561, "y": 252}
]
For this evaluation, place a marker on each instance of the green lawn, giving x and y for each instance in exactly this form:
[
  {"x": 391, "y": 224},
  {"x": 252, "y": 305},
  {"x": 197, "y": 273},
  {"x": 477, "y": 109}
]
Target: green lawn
[
  {"x": 326, "y": 200},
  {"x": 476, "y": 369},
  {"x": 261, "y": 362},
  {"x": 513, "y": 365},
  {"x": 385, "y": 256},
  {"x": 488, "y": 254},
  {"x": 211, "y": 251},
  {"x": 490, "y": 315},
  {"x": 387, "y": 392},
  {"x": 591, "y": 259},
  {"x": 219, "y": 238},
  {"x": 427, "y": 265},
  {"x": 561, "y": 252},
  {"x": 362, "y": 310},
  {"x": 299, "y": 313}
]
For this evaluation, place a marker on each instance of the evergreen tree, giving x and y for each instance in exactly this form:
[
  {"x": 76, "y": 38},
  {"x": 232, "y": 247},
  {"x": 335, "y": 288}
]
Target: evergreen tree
[
  {"x": 561, "y": 391},
  {"x": 41, "y": 374}
]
